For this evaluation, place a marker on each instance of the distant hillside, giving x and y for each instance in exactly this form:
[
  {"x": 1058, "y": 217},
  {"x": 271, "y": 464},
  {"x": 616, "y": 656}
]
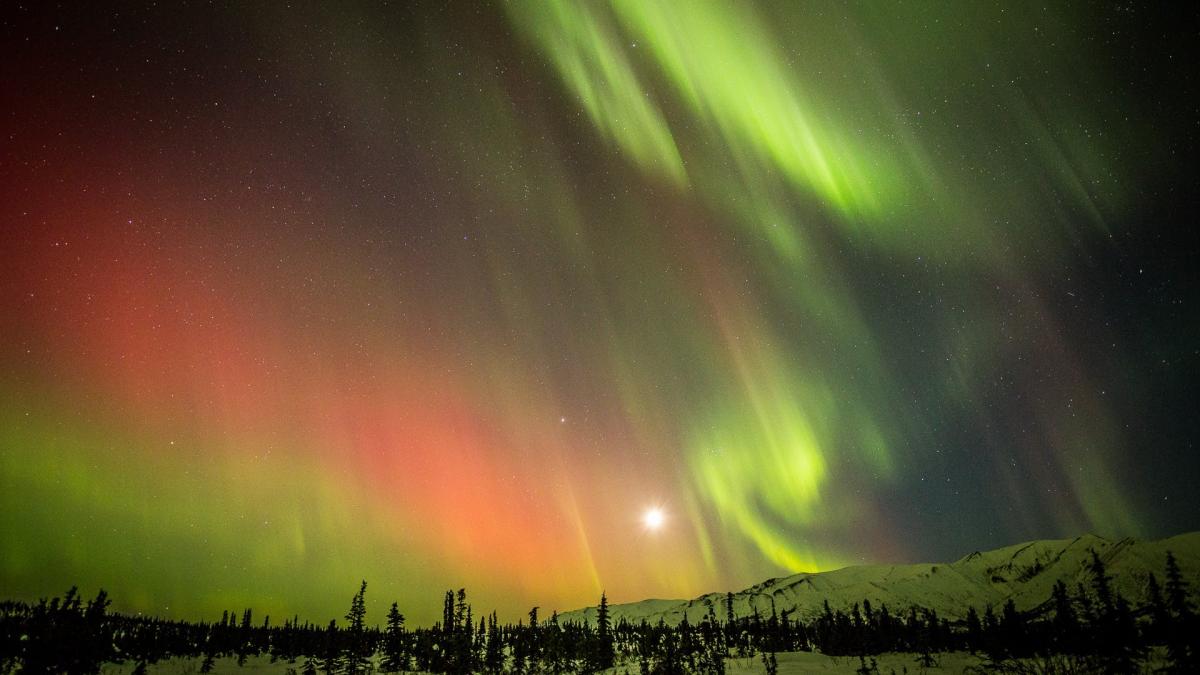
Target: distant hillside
[{"x": 1024, "y": 572}]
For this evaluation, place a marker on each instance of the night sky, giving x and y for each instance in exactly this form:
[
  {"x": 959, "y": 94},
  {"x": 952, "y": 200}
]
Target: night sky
[{"x": 443, "y": 296}]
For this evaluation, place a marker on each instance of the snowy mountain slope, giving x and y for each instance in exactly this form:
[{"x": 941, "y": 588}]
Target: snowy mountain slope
[{"x": 1024, "y": 572}]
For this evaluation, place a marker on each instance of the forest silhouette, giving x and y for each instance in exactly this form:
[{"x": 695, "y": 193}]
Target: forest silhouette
[{"x": 1090, "y": 628}]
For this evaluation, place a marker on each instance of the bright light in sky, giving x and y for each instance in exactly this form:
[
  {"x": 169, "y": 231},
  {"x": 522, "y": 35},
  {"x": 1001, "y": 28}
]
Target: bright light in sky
[{"x": 653, "y": 518}]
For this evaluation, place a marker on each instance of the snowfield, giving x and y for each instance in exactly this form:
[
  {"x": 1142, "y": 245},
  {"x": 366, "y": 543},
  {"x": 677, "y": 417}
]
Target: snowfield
[
  {"x": 790, "y": 663},
  {"x": 1024, "y": 572}
]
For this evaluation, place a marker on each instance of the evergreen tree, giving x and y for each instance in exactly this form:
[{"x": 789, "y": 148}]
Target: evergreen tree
[
  {"x": 824, "y": 633},
  {"x": 1183, "y": 644},
  {"x": 535, "y": 649},
  {"x": 933, "y": 633},
  {"x": 458, "y": 636},
  {"x": 714, "y": 652},
  {"x": 991, "y": 644},
  {"x": 95, "y": 643},
  {"x": 355, "y": 650},
  {"x": 974, "y": 631},
  {"x": 461, "y": 621},
  {"x": 602, "y": 656},
  {"x": 1064, "y": 626},
  {"x": 670, "y": 658},
  {"x": 479, "y": 648},
  {"x": 1156, "y": 607},
  {"x": 245, "y": 638},
  {"x": 1101, "y": 586},
  {"x": 395, "y": 656},
  {"x": 1129, "y": 650},
  {"x": 494, "y": 654},
  {"x": 330, "y": 662},
  {"x": 1111, "y": 623},
  {"x": 887, "y": 630},
  {"x": 1012, "y": 631}
]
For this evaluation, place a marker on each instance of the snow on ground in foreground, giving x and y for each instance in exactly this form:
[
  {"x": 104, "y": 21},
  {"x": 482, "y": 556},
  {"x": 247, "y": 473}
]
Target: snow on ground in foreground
[
  {"x": 790, "y": 663},
  {"x": 808, "y": 662}
]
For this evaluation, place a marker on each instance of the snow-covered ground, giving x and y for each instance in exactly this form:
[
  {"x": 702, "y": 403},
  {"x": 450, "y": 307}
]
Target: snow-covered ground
[
  {"x": 789, "y": 664},
  {"x": 258, "y": 665},
  {"x": 808, "y": 662}
]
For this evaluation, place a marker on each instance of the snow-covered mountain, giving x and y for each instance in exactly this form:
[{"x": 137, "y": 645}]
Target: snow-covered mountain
[{"x": 1024, "y": 572}]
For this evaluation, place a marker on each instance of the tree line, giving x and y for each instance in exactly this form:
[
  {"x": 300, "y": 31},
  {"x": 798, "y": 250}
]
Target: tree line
[{"x": 1091, "y": 623}]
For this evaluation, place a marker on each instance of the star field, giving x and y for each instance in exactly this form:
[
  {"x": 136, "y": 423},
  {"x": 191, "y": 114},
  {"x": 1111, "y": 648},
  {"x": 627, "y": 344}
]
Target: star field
[{"x": 548, "y": 298}]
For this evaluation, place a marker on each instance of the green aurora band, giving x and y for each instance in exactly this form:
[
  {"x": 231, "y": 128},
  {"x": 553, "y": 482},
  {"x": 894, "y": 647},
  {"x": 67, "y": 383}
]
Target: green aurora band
[{"x": 784, "y": 152}]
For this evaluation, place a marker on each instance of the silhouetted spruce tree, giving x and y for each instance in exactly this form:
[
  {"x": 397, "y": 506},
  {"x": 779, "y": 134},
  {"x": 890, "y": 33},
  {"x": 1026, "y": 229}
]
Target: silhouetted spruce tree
[
  {"x": 870, "y": 635},
  {"x": 1012, "y": 631},
  {"x": 245, "y": 639},
  {"x": 62, "y": 636},
  {"x": 95, "y": 642},
  {"x": 458, "y": 642},
  {"x": 479, "y": 647},
  {"x": 552, "y": 660},
  {"x": 932, "y": 638},
  {"x": 714, "y": 652},
  {"x": 1125, "y": 628},
  {"x": 330, "y": 661},
  {"x": 395, "y": 652},
  {"x": 1064, "y": 626},
  {"x": 991, "y": 628},
  {"x": 1183, "y": 643},
  {"x": 445, "y": 636},
  {"x": 1111, "y": 624},
  {"x": 535, "y": 642},
  {"x": 1086, "y": 616},
  {"x": 602, "y": 649},
  {"x": 886, "y": 630},
  {"x": 1100, "y": 585},
  {"x": 355, "y": 650},
  {"x": 974, "y": 637},
  {"x": 519, "y": 646},
  {"x": 493, "y": 659},
  {"x": 1156, "y": 609},
  {"x": 823, "y": 629},
  {"x": 670, "y": 658}
]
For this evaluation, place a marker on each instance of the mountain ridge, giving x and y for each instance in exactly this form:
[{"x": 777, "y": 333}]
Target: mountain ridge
[{"x": 1024, "y": 572}]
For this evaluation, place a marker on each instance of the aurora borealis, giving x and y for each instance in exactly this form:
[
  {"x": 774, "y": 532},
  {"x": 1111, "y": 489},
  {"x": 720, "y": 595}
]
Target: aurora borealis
[{"x": 450, "y": 295}]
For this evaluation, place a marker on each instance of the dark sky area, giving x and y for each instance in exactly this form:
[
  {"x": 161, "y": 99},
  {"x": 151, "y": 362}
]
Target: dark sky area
[{"x": 444, "y": 295}]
